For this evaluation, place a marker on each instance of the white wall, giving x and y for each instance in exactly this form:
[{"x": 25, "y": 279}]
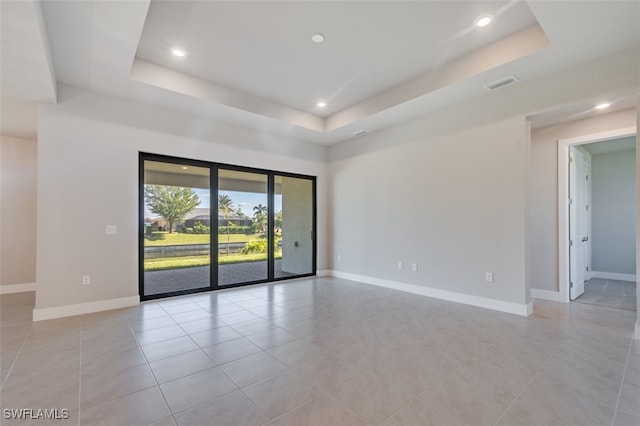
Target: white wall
[
  {"x": 614, "y": 212},
  {"x": 453, "y": 203},
  {"x": 88, "y": 178},
  {"x": 17, "y": 214},
  {"x": 543, "y": 189}
]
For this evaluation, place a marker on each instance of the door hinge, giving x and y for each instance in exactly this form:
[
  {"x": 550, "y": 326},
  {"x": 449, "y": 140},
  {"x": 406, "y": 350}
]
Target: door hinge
[
  {"x": 587, "y": 269},
  {"x": 570, "y": 201},
  {"x": 587, "y": 207},
  {"x": 570, "y": 159},
  {"x": 570, "y": 243},
  {"x": 586, "y": 177},
  {"x": 571, "y": 285}
]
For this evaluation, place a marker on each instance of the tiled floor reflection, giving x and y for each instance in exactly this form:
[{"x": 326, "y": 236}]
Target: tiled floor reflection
[{"x": 322, "y": 352}]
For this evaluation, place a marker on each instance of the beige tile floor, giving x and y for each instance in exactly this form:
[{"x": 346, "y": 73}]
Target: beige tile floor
[{"x": 322, "y": 352}]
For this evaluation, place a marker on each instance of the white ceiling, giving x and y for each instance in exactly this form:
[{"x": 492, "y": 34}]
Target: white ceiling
[
  {"x": 26, "y": 68},
  {"x": 253, "y": 64},
  {"x": 368, "y": 48}
]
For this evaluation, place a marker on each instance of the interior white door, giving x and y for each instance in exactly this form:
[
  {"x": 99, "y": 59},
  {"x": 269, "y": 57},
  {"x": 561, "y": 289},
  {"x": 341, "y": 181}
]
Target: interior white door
[
  {"x": 586, "y": 161},
  {"x": 577, "y": 237}
]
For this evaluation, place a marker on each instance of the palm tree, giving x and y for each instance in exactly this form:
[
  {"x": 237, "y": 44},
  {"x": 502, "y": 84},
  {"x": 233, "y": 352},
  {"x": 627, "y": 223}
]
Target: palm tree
[
  {"x": 277, "y": 222},
  {"x": 260, "y": 215},
  {"x": 225, "y": 206}
]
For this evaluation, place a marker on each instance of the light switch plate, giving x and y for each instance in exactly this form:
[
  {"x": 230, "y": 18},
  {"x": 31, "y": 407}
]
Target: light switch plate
[{"x": 111, "y": 230}]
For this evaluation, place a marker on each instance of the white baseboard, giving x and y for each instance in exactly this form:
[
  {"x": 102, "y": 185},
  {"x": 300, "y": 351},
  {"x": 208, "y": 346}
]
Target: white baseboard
[
  {"x": 323, "y": 273},
  {"x": 17, "y": 288},
  {"x": 636, "y": 335},
  {"x": 84, "y": 308},
  {"x": 614, "y": 276},
  {"x": 451, "y": 296},
  {"x": 554, "y": 296}
]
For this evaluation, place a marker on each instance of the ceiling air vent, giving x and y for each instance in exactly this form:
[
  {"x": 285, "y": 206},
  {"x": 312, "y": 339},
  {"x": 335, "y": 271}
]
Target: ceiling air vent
[{"x": 501, "y": 83}]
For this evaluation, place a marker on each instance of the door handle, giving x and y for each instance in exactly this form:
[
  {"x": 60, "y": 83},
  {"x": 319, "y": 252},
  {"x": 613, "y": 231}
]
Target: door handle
[{"x": 585, "y": 239}]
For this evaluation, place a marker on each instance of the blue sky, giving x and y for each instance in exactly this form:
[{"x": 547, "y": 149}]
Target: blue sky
[{"x": 245, "y": 200}]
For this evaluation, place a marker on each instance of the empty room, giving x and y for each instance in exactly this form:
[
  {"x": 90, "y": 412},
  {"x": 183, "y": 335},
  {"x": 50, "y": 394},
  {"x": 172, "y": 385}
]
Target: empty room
[{"x": 319, "y": 213}]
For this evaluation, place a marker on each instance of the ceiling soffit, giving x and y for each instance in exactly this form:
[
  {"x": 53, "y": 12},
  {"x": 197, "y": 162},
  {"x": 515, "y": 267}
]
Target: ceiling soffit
[{"x": 378, "y": 69}]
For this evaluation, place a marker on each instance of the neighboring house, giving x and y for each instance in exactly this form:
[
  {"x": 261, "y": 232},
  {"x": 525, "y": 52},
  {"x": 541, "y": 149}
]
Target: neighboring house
[
  {"x": 202, "y": 215},
  {"x": 234, "y": 219},
  {"x": 159, "y": 224},
  {"x": 204, "y": 219}
]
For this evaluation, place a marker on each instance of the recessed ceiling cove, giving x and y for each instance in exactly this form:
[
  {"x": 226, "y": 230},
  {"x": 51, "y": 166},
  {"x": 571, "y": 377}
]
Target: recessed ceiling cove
[{"x": 259, "y": 56}]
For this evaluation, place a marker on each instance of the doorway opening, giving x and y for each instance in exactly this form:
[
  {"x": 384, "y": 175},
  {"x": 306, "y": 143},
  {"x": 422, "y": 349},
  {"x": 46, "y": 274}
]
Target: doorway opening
[{"x": 597, "y": 219}]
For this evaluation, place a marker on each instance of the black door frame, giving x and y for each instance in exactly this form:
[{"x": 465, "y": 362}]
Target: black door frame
[{"x": 213, "y": 207}]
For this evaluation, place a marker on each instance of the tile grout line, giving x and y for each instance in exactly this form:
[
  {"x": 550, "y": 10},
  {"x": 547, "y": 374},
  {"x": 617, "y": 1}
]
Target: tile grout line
[
  {"x": 149, "y": 366},
  {"x": 526, "y": 386},
  {"x": 344, "y": 407},
  {"x": 624, "y": 373},
  {"x": 398, "y": 410},
  {"x": 15, "y": 360}
]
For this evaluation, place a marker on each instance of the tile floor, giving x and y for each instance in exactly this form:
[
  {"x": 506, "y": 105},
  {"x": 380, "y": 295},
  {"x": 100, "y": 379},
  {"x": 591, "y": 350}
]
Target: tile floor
[
  {"x": 322, "y": 352},
  {"x": 610, "y": 293}
]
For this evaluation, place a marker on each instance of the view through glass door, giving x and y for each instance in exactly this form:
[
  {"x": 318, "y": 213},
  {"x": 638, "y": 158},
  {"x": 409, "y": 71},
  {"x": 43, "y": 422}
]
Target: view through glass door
[
  {"x": 243, "y": 237},
  {"x": 177, "y": 240},
  {"x": 205, "y": 226}
]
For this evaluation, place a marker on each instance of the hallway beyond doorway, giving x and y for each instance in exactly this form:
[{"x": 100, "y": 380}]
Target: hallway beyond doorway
[{"x": 609, "y": 293}]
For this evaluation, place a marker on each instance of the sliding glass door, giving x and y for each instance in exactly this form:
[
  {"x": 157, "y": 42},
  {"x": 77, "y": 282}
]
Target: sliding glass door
[
  {"x": 263, "y": 228},
  {"x": 176, "y": 230},
  {"x": 242, "y": 227},
  {"x": 293, "y": 228}
]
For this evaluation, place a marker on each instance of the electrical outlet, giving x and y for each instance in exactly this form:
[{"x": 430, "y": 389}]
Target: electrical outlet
[
  {"x": 488, "y": 277},
  {"x": 86, "y": 279},
  {"x": 339, "y": 258},
  {"x": 399, "y": 266},
  {"x": 111, "y": 229},
  {"x": 414, "y": 267}
]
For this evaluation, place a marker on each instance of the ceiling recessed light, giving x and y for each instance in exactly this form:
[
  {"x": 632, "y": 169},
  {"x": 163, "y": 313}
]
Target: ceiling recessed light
[
  {"x": 317, "y": 38},
  {"x": 184, "y": 168},
  {"x": 603, "y": 105},
  {"x": 178, "y": 53},
  {"x": 321, "y": 104},
  {"x": 483, "y": 21}
]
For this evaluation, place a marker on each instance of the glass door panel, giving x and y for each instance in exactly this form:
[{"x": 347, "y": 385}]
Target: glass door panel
[
  {"x": 177, "y": 223},
  {"x": 242, "y": 227},
  {"x": 293, "y": 226}
]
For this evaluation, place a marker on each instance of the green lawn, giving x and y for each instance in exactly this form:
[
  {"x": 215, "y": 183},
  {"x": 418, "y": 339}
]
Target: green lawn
[
  {"x": 163, "y": 263},
  {"x": 176, "y": 238}
]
